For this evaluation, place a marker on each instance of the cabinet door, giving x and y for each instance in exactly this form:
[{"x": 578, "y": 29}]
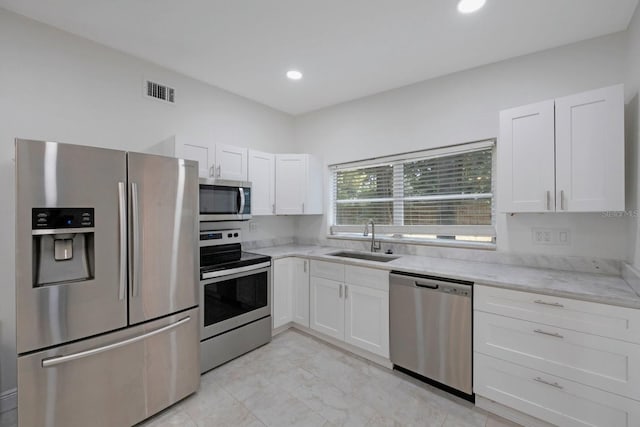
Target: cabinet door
[
  {"x": 590, "y": 151},
  {"x": 301, "y": 291},
  {"x": 327, "y": 307},
  {"x": 290, "y": 183},
  {"x": 526, "y": 181},
  {"x": 282, "y": 291},
  {"x": 231, "y": 162},
  {"x": 263, "y": 182},
  {"x": 367, "y": 319},
  {"x": 199, "y": 153}
]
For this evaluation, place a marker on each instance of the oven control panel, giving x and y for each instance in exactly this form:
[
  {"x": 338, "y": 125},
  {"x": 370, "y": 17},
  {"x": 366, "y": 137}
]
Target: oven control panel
[{"x": 220, "y": 237}]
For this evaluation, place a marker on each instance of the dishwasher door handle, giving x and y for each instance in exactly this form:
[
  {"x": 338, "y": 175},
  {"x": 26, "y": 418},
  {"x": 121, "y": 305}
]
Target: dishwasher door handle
[{"x": 428, "y": 285}]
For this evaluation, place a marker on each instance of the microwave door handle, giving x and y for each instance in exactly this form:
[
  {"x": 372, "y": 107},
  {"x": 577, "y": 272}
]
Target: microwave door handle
[{"x": 242, "y": 201}]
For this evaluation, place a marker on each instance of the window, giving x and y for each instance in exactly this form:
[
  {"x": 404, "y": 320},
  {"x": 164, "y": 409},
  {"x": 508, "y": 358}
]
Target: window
[{"x": 436, "y": 195}]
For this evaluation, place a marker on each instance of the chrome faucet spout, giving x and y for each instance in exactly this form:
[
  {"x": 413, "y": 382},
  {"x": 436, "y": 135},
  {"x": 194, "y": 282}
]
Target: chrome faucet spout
[{"x": 375, "y": 246}]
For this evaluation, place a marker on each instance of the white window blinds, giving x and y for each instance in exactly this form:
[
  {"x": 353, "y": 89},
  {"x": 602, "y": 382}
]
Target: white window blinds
[{"x": 439, "y": 194}]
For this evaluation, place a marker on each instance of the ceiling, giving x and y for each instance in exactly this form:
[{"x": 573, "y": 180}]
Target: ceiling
[{"x": 346, "y": 49}]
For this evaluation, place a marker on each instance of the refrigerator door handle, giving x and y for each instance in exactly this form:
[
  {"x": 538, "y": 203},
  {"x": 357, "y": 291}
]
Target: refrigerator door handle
[
  {"x": 122, "y": 216},
  {"x": 53, "y": 361},
  {"x": 135, "y": 240}
]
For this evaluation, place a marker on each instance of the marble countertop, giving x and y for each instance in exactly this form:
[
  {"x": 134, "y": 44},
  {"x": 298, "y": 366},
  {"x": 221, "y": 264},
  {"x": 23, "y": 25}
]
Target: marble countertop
[{"x": 585, "y": 286}]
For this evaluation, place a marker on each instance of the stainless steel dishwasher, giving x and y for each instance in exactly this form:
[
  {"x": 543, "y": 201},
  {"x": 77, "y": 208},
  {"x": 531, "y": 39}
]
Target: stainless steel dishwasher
[{"x": 431, "y": 329}]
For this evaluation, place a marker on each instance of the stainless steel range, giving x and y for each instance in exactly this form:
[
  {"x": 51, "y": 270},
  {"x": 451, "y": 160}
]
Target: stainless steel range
[{"x": 235, "y": 296}]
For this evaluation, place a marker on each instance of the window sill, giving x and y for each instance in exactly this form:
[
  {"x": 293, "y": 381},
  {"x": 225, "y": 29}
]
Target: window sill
[{"x": 419, "y": 242}]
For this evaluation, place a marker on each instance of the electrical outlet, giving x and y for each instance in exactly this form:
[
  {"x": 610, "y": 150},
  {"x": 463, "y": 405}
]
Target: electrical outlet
[
  {"x": 551, "y": 236},
  {"x": 253, "y": 226}
]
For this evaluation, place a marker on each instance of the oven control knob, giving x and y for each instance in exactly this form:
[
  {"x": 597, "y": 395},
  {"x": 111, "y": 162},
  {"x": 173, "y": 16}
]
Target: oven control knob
[{"x": 235, "y": 234}]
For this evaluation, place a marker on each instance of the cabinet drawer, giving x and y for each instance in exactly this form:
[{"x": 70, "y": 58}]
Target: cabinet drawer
[
  {"x": 367, "y": 277},
  {"x": 327, "y": 270},
  {"x": 590, "y": 317},
  {"x": 593, "y": 360},
  {"x": 550, "y": 398}
]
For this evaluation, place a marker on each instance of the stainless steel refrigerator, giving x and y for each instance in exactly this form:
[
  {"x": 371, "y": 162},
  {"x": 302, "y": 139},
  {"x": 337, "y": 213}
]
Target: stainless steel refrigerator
[{"x": 106, "y": 284}]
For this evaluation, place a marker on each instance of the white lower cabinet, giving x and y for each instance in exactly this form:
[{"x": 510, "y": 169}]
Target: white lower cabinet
[
  {"x": 367, "y": 319},
  {"x": 290, "y": 291},
  {"x": 551, "y": 398},
  {"x": 327, "y": 307},
  {"x": 553, "y": 358},
  {"x": 300, "y": 303},
  {"x": 357, "y": 313},
  {"x": 282, "y": 291}
]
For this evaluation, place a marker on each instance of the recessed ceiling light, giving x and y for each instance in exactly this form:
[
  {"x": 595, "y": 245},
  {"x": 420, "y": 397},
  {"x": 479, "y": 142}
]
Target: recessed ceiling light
[
  {"x": 294, "y": 74},
  {"x": 469, "y": 6}
]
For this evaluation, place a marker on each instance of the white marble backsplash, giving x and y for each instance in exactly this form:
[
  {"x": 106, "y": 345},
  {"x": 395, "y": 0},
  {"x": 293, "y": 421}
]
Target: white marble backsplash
[
  {"x": 632, "y": 276},
  {"x": 554, "y": 262},
  {"x": 267, "y": 243}
]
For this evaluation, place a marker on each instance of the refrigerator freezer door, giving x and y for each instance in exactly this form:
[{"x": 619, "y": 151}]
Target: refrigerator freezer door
[
  {"x": 114, "y": 380},
  {"x": 69, "y": 282},
  {"x": 163, "y": 236}
]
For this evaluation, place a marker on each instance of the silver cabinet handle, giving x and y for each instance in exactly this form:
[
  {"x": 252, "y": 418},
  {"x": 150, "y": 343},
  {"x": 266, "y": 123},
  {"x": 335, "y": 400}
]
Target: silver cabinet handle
[
  {"x": 122, "y": 218},
  {"x": 242, "y": 201},
  {"x": 305, "y": 266},
  {"x": 303, "y": 208},
  {"x": 562, "y": 200},
  {"x": 53, "y": 361},
  {"x": 273, "y": 208},
  {"x": 548, "y": 199},
  {"x": 219, "y": 171},
  {"x": 553, "y": 304},
  {"x": 551, "y": 334},
  {"x": 135, "y": 240},
  {"x": 346, "y": 291},
  {"x": 211, "y": 171},
  {"x": 340, "y": 292},
  {"x": 540, "y": 380}
]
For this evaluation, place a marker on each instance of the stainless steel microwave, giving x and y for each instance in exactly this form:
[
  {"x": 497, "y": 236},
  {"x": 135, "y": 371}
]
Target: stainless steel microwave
[{"x": 222, "y": 200}]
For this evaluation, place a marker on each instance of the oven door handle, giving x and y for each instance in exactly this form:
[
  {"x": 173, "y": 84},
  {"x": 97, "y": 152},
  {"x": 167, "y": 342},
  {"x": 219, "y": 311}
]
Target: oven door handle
[{"x": 229, "y": 272}]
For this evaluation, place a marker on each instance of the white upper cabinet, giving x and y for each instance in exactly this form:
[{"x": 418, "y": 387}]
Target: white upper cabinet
[
  {"x": 298, "y": 184},
  {"x": 231, "y": 163},
  {"x": 563, "y": 155},
  {"x": 590, "y": 151},
  {"x": 263, "y": 182},
  {"x": 526, "y": 158},
  {"x": 181, "y": 148}
]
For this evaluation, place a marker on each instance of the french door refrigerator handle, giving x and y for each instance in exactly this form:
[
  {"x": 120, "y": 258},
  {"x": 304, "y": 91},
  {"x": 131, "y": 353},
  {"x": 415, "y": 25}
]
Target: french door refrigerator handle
[
  {"x": 53, "y": 361},
  {"x": 135, "y": 240},
  {"x": 122, "y": 216}
]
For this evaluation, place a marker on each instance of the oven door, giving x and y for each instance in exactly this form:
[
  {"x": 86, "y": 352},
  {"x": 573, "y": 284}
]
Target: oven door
[
  {"x": 225, "y": 200},
  {"x": 238, "y": 297}
]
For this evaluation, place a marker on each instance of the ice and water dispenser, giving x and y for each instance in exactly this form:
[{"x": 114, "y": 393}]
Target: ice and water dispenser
[{"x": 63, "y": 245}]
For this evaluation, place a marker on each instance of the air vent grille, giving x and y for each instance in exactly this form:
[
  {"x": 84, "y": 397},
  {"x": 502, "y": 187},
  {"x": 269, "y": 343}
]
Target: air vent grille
[{"x": 161, "y": 92}]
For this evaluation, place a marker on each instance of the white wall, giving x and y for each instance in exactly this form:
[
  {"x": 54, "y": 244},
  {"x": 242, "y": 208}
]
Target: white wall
[
  {"x": 59, "y": 87},
  {"x": 632, "y": 122},
  {"x": 464, "y": 107}
]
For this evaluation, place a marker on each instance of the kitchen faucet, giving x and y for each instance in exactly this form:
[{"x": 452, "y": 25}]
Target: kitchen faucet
[{"x": 374, "y": 246}]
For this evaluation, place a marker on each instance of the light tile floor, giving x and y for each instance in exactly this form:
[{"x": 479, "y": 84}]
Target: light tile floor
[{"x": 297, "y": 380}]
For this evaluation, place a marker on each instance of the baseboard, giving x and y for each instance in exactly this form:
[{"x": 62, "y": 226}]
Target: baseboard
[
  {"x": 8, "y": 400},
  {"x": 509, "y": 413},
  {"x": 281, "y": 329},
  {"x": 347, "y": 347}
]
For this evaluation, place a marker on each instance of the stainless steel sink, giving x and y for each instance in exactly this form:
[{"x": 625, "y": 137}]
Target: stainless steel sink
[{"x": 365, "y": 256}]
